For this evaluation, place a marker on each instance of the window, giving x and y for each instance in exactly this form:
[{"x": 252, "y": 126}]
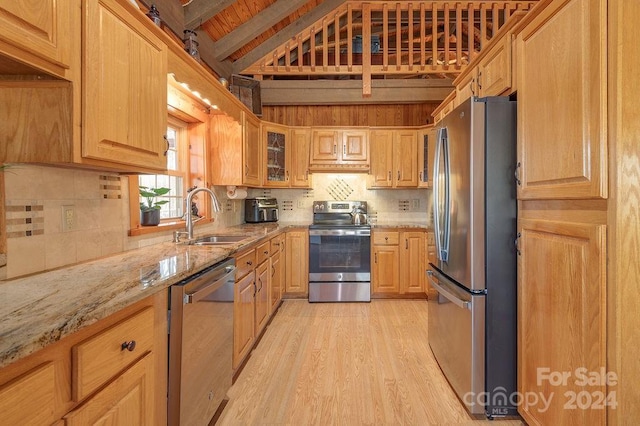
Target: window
[{"x": 176, "y": 174}]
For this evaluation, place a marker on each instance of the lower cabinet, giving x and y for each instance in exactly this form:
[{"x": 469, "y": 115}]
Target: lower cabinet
[
  {"x": 262, "y": 296},
  {"x": 277, "y": 272},
  {"x": 398, "y": 262},
  {"x": 88, "y": 378},
  {"x": 244, "y": 306},
  {"x": 297, "y": 263}
]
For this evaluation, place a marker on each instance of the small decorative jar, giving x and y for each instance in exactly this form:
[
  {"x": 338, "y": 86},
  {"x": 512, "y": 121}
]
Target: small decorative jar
[
  {"x": 191, "y": 43},
  {"x": 154, "y": 15}
]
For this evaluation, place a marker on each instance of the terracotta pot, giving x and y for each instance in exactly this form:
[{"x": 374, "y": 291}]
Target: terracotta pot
[{"x": 149, "y": 217}]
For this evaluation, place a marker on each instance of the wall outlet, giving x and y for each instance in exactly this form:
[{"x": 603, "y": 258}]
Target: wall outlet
[
  {"x": 301, "y": 204},
  {"x": 415, "y": 204},
  {"x": 68, "y": 218}
]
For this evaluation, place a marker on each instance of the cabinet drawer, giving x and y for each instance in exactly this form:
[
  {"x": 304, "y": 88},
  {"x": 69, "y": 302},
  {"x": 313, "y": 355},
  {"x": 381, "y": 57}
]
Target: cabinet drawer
[
  {"x": 30, "y": 399},
  {"x": 277, "y": 244},
  {"x": 263, "y": 252},
  {"x": 386, "y": 238},
  {"x": 99, "y": 358},
  {"x": 245, "y": 264}
]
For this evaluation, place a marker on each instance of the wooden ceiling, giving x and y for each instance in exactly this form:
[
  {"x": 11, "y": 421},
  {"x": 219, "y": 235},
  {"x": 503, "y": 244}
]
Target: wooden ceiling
[{"x": 290, "y": 44}]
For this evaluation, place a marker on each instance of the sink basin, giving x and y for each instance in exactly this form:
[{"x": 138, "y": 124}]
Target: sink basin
[{"x": 214, "y": 240}]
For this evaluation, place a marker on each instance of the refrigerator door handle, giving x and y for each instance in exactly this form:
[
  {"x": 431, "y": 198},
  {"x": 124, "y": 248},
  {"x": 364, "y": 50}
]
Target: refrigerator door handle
[
  {"x": 441, "y": 195},
  {"x": 447, "y": 294}
]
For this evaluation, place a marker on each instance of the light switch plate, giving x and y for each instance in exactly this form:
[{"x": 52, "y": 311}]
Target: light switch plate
[{"x": 68, "y": 218}]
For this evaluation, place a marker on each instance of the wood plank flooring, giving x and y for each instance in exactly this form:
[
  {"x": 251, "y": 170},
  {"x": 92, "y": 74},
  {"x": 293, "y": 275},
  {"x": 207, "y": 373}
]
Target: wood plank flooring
[{"x": 345, "y": 364}]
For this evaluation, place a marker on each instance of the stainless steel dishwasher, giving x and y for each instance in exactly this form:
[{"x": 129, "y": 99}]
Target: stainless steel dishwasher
[{"x": 200, "y": 344}]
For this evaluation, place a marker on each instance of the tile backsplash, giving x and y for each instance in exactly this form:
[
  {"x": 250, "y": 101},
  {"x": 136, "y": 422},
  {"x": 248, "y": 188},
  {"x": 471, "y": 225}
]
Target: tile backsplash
[{"x": 38, "y": 198}]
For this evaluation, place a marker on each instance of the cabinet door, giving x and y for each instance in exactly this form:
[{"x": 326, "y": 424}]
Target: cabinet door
[
  {"x": 30, "y": 398},
  {"x": 561, "y": 318},
  {"x": 324, "y": 145},
  {"x": 243, "y": 318},
  {"x": 426, "y": 154},
  {"x": 263, "y": 272},
  {"x": 355, "y": 146},
  {"x": 381, "y": 159},
  {"x": 127, "y": 400},
  {"x": 562, "y": 140},
  {"x": 275, "y": 140},
  {"x": 412, "y": 262},
  {"x": 275, "y": 287},
  {"x": 466, "y": 87},
  {"x": 297, "y": 262},
  {"x": 300, "y": 146},
  {"x": 494, "y": 70},
  {"x": 385, "y": 272},
  {"x": 405, "y": 159},
  {"x": 39, "y": 32},
  {"x": 251, "y": 151},
  {"x": 125, "y": 88}
]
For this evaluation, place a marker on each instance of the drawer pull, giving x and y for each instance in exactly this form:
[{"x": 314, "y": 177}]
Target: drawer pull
[
  {"x": 249, "y": 262},
  {"x": 266, "y": 252},
  {"x": 130, "y": 346}
]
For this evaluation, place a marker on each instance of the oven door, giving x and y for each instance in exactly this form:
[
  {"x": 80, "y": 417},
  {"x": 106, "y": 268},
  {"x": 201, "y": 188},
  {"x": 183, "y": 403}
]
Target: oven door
[{"x": 340, "y": 254}]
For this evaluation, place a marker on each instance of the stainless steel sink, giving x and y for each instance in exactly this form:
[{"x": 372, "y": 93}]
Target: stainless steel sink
[{"x": 214, "y": 240}]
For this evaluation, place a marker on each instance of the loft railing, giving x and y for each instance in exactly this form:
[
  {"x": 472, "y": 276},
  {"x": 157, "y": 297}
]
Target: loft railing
[{"x": 380, "y": 38}]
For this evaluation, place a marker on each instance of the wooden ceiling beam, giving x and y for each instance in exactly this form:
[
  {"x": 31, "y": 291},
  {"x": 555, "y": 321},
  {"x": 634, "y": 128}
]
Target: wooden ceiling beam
[
  {"x": 199, "y": 11},
  {"x": 333, "y": 92},
  {"x": 290, "y": 31},
  {"x": 255, "y": 26}
]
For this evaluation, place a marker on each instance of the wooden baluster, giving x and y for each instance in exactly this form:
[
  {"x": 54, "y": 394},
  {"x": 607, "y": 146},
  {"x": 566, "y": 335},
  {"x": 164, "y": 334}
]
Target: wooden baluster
[
  {"x": 434, "y": 35},
  {"x": 312, "y": 48},
  {"x": 471, "y": 30},
  {"x": 483, "y": 26},
  {"x": 336, "y": 38},
  {"x": 275, "y": 60},
  {"x": 446, "y": 36},
  {"x": 385, "y": 36},
  {"x": 496, "y": 19},
  {"x": 458, "y": 36},
  {"x": 325, "y": 42},
  {"x": 366, "y": 50},
  {"x": 423, "y": 35},
  {"x": 300, "y": 54},
  {"x": 410, "y": 35},
  {"x": 287, "y": 57}
]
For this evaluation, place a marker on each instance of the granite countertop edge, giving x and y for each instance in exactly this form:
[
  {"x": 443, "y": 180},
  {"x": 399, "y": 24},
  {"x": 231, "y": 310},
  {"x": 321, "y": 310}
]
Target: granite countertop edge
[{"x": 41, "y": 309}]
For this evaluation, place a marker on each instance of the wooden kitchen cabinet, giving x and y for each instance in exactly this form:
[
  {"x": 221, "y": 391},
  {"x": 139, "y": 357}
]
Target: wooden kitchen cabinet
[
  {"x": 124, "y": 88},
  {"x": 339, "y": 149},
  {"x": 278, "y": 272},
  {"x": 300, "y": 148},
  {"x": 445, "y": 107},
  {"x": 426, "y": 155},
  {"x": 398, "y": 262},
  {"x": 251, "y": 151},
  {"x": 40, "y": 34},
  {"x": 244, "y": 306},
  {"x": 85, "y": 376},
  {"x": 276, "y": 153},
  {"x": 126, "y": 400},
  {"x": 385, "y": 268},
  {"x": 297, "y": 263},
  {"x": 562, "y": 100},
  {"x": 262, "y": 296},
  {"x": 561, "y": 317},
  {"x": 413, "y": 263},
  {"x": 394, "y": 158}
]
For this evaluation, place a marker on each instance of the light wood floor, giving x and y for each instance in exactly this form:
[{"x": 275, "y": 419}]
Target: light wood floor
[{"x": 345, "y": 364}]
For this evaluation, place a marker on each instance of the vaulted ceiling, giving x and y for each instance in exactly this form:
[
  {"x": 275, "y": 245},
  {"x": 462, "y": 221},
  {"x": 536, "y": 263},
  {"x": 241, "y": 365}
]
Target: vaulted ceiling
[{"x": 371, "y": 51}]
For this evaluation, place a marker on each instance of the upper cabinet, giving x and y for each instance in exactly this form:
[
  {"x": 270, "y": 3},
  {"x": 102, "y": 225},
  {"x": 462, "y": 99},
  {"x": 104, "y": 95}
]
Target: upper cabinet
[
  {"x": 339, "y": 149},
  {"x": 426, "y": 154},
  {"x": 39, "y": 34},
  {"x": 562, "y": 140},
  {"x": 276, "y": 154},
  {"x": 251, "y": 151},
  {"x": 300, "y": 146},
  {"x": 125, "y": 88},
  {"x": 394, "y": 155}
]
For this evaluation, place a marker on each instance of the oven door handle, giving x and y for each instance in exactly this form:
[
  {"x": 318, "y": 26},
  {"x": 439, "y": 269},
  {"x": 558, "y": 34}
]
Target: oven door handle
[
  {"x": 340, "y": 232},
  {"x": 206, "y": 290},
  {"x": 447, "y": 294}
]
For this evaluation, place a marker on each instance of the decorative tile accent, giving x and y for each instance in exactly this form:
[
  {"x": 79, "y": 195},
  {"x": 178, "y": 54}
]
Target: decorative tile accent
[
  {"x": 111, "y": 187},
  {"x": 339, "y": 189},
  {"x": 266, "y": 192},
  {"x": 228, "y": 205},
  {"x": 308, "y": 193},
  {"x": 24, "y": 220},
  {"x": 404, "y": 205},
  {"x": 286, "y": 205}
]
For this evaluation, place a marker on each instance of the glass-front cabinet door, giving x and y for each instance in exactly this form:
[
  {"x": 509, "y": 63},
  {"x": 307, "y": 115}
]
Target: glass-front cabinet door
[
  {"x": 276, "y": 155},
  {"x": 426, "y": 152}
]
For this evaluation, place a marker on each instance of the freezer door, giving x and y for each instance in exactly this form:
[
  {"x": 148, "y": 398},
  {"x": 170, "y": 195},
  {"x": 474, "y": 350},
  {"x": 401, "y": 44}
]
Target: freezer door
[{"x": 456, "y": 337}]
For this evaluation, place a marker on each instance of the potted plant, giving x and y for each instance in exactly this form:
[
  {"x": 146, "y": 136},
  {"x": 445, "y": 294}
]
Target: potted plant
[{"x": 150, "y": 208}]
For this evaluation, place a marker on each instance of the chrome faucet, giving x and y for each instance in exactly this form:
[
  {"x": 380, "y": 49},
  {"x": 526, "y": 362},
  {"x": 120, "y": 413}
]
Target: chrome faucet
[{"x": 189, "y": 216}]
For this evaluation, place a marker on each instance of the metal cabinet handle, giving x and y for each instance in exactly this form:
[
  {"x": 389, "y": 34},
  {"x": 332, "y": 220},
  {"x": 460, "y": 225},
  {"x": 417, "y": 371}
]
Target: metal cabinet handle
[
  {"x": 473, "y": 92},
  {"x": 516, "y": 242},
  {"x": 344, "y": 149},
  {"x": 389, "y": 175},
  {"x": 406, "y": 243},
  {"x": 516, "y": 174},
  {"x": 398, "y": 174},
  {"x": 130, "y": 345},
  {"x": 246, "y": 170},
  {"x": 376, "y": 257},
  {"x": 168, "y": 145},
  {"x": 480, "y": 80},
  {"x": 420, "y": 179},
  {"x": 249, "y": 262},
  {"x": 273, "y": 270},
  {"x": 335, "y": 149},
  {"x": 266, "y": 252}
]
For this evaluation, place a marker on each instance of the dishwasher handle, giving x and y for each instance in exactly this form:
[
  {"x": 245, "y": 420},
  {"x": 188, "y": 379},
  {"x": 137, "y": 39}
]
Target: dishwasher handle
[
  {"x": 206, "y": 290},
  {"x": 447, "y": 294}
]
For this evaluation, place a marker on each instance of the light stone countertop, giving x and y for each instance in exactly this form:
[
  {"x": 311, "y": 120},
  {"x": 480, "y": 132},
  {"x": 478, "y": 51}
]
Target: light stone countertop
[{"x": 40, "y": 309}]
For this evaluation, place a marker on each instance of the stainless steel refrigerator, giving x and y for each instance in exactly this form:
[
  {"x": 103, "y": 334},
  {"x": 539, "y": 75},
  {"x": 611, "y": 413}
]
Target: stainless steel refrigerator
[{"x": 472, "y": 320}]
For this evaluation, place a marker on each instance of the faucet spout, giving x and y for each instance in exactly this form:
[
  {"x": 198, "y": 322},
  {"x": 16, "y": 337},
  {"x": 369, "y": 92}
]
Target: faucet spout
[{"x": 215, "y": 204}]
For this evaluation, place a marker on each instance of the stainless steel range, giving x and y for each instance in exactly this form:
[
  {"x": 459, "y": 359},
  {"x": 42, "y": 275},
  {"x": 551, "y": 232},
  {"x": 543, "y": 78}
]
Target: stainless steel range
[{"x": 339, "y": 252}]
